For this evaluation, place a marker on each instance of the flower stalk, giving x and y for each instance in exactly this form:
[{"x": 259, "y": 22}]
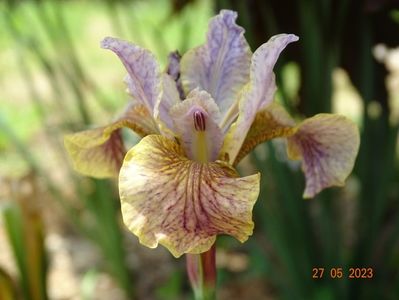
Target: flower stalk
[{"x": 201, "y": 270}]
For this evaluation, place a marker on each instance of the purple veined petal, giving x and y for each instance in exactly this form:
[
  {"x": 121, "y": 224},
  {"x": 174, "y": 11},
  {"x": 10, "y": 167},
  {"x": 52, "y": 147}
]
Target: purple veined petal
[
  {"x": 182, "y": 204},
  {"x": 258, "y": 93},
  {"x": 196, "y": 125},
  {"x": 262, "y": 64},
  {"x": 328, "y": 145},
  {"x": 221, "y": 65},
  {"x": 144, "y": 83}
]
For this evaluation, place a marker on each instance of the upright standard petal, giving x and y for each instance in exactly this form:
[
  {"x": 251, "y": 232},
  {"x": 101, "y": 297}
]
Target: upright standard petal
[
  {"x": 182, "y": 204},
  {"x": 221, "y": 65},
  {"x": 144, "y": 83},
  {"x": 196, "y": 125},
  {"x": 258, "y": 93},
  {"x": 328, "y": 145},
  {"x": 99, "y": 152}
]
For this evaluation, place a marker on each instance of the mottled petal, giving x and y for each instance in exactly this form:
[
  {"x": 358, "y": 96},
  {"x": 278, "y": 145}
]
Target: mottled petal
[
  {"x": 195, "y": 121},
  {"x": 258, "y": 93},
  {"x": 182, "y": 204},
  {"x": 328, "y": 145},
  {"x": 99, "y": 152},
  {"x": 271, "y": 122},
  {"x": 221, "y": 65},
  {"x": 144, "y": 83}
]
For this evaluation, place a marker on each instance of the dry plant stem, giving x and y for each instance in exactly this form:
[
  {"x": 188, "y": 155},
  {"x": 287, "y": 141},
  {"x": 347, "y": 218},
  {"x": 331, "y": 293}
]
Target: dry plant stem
[{"x": 201, "y": 270}]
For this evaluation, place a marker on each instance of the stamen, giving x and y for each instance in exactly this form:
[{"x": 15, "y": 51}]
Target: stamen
[{"x": 199, "y": 120}]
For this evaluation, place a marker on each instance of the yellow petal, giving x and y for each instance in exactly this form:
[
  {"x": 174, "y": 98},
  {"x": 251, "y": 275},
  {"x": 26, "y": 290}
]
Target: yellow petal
[
  {"x": 328, "y": 145},
  {"x": 99, "y": 152},
  {"x": 271, "y": 122},
  {"x": 169, "y": 200}
]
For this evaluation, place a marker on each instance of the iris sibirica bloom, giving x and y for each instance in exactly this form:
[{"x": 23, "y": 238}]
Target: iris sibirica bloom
[{"x": 198, "y": 119}]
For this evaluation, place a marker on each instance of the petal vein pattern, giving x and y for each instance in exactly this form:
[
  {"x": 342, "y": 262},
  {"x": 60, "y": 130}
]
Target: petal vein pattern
[
  {"x": 183, "y": 204},
  {"x": 328, "y": 145},
  {"x": 258, "y": 93},
  {"x": 221, "y": 65},
  {"x": 144, "y": 83}
]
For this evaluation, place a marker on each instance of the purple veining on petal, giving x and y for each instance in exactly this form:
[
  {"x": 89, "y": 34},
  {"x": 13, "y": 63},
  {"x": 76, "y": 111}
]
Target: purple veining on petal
[
  {"x": 259, "y": 93},
  {"x": 263, "y": 62},
  {"x": 115, "y": 149},
  {"x": 226, "y": 46},
  {"x": 199, "y": 120},
  {"x": 144, "y": 82},
  {"x": 221, "y": 65},
  {"x": 313, "y": 157},
  {"x": 328, "y": 145},
  {"x": 182, "y": 204}
]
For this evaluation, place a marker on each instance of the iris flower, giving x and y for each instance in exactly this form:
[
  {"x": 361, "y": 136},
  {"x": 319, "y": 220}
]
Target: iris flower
[{"x": 178, "y": 186}]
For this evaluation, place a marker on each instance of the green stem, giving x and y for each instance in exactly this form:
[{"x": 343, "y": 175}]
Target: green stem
[{"x": 201, "y": 270}]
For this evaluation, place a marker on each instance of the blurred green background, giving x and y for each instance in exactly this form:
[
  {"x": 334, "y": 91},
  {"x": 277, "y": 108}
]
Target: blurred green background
[{"x": 61, "y": 235}]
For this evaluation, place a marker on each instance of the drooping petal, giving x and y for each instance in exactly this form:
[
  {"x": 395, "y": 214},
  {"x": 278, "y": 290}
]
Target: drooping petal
[
  {"x": 144, "y": 83},
  {"x": 328, "y": 145},
  {"x": 258, "y": 93},
  {"x": 182, "y": 204},
  {"x": 271, "y": 122},
  {"x": 99, "y": 152},
  {"x": 96, "y": 152},
  {"x": 195, "y": 121},
  {"x": 221, "y": 65}
]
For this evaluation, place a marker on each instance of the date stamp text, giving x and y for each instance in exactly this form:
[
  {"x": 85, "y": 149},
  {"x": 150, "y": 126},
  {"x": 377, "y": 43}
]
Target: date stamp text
[{"x": 338, "y": 273}]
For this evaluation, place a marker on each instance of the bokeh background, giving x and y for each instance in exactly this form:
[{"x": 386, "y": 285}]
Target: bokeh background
[{"x": 61, "y": 235}]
